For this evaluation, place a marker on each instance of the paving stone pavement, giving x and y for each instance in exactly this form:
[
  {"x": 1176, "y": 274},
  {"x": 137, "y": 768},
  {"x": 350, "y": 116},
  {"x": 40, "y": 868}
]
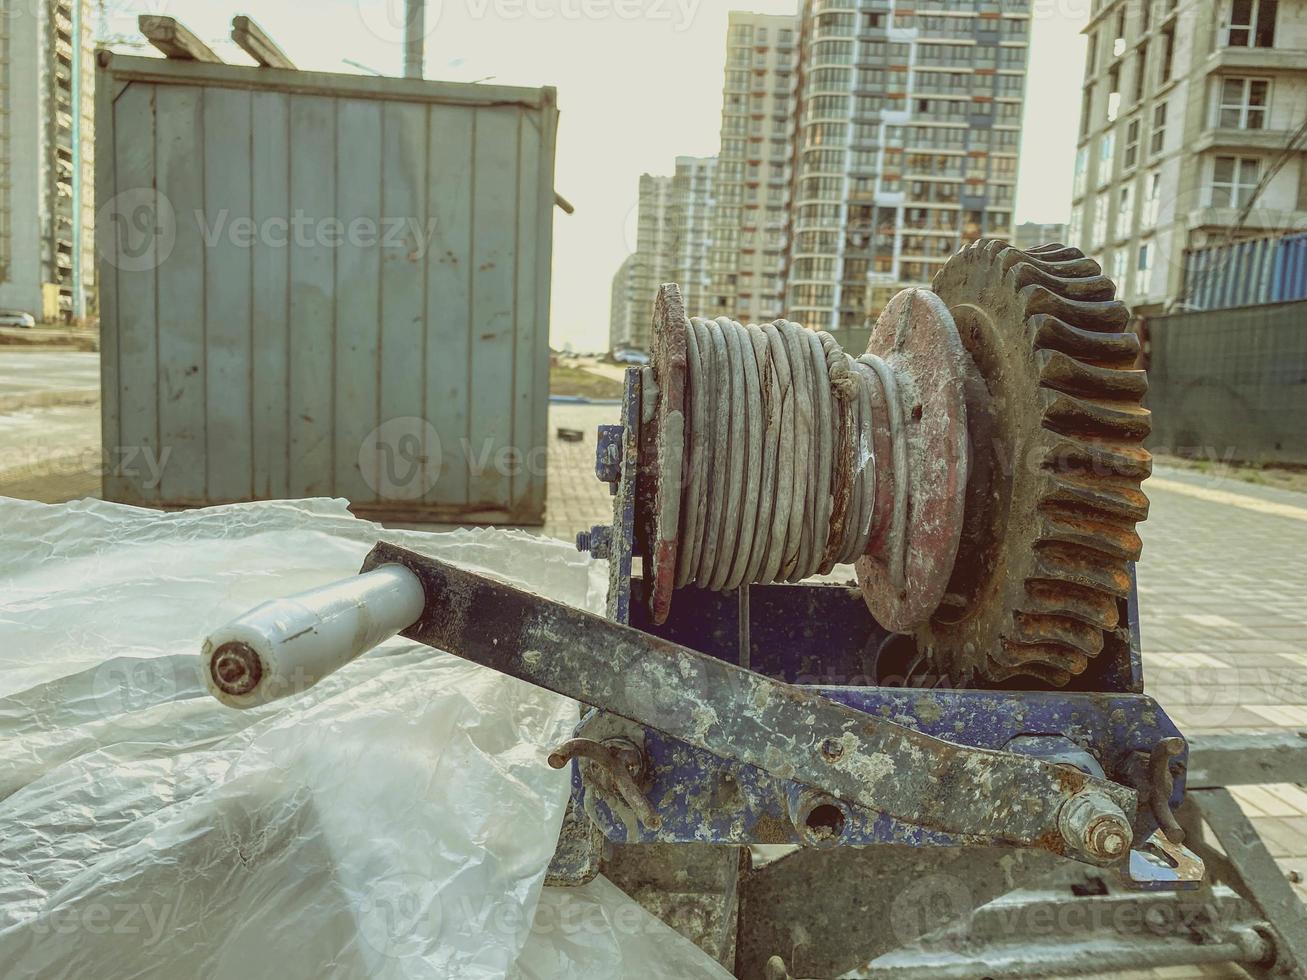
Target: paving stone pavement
[{"x": 1223, "y": 599}]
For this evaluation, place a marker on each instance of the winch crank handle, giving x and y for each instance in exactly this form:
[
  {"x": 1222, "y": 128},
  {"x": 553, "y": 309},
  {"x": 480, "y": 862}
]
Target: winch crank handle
[
  {"x": 860, "y": 758},
  {"x": 285, "y": 646}
]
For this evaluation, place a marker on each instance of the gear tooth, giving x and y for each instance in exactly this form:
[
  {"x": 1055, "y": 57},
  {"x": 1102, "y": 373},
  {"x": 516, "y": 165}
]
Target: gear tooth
[
  {"x": 1069, "y": 415},
  {"x": 1112, "y": 538},
  {"x": 1040, "y": 630},
  {"x": 998, "y": 671},
  {"x": 1058, "y": 562},
  {"x": 1096, "y": 459},
  {"x": 1072, "y": 376},
  {"x": 1086, "y": 605},
  {"x": 1056, "y": 253},
  {"x": 1111, "y": 350},
  {"x": 1033, "y": 658},
  {"x": 1110, "y": 316},
  {"x": 1120, "y": 499},
  {"x": 1084, "y": 289}
]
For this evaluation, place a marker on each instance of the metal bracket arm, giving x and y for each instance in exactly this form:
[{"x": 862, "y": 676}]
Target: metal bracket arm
[{"x": 784, "y": 730}]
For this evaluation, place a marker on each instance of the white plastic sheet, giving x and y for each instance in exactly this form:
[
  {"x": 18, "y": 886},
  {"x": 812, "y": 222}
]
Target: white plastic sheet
[{"x": 395, "y": 821}]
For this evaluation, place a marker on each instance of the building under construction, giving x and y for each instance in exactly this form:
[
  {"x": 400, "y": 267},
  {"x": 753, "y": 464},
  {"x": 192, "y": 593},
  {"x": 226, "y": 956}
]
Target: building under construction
[{"x": 47, "y": 201}]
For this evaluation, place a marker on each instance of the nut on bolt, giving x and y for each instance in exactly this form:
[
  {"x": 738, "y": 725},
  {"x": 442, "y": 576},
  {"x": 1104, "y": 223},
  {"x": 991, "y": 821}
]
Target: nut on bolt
[{"x": 1096, "y": 827}]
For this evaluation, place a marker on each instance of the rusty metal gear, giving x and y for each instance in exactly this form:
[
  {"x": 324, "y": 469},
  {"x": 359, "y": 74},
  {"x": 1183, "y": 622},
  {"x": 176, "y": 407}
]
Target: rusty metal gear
[{"x": 1057, "y": 428}]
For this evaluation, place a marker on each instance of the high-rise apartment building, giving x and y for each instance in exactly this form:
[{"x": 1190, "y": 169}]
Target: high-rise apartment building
[
  {"x": 47, "y": 185},
  {"x": 650, "y": 264},
  {"x": 690, "y": 216},
  {"x": 907, "y": 137},
  {"x": 1031, "y": 234},
  {"x": 672, "y": 242},
  {"x": 1191, "y": 135},
  {"x": 753, "y": 168},
  {"x": 622, "y": 313}
]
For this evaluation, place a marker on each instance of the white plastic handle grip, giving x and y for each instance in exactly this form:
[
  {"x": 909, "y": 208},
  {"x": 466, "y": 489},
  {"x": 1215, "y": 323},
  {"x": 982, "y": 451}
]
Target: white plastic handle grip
[{"x": 285, "y": 646}]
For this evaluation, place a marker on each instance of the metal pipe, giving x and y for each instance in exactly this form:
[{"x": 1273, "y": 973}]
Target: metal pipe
[
  {"x": 285, "y": 646},
  {"x": 415, "y": 18},
  {"x": 1106, "y": 955}
]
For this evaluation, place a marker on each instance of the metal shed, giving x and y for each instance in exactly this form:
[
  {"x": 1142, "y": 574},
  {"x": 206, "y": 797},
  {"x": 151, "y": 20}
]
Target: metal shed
[{"x": 319, "y": 284}]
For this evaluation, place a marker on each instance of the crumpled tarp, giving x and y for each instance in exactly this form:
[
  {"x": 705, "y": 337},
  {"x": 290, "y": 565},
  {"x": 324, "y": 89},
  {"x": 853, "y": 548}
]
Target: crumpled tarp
[{"x": 395, "y": 821}]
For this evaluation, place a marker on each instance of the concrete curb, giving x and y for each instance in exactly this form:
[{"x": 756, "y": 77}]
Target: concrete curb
[{"x": 49, "y": 399}]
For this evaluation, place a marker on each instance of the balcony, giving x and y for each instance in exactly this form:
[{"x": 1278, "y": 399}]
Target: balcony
[
  {"x": 1264, "y": 61},
  {"x": 1266, "y": 140},
  {"x": 1260, "y": 218}
]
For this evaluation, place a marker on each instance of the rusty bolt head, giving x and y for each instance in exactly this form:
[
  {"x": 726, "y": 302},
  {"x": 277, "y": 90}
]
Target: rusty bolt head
[
  {"x": 236, "y": 669},
  {"x": 1108, "y": 837},
  {"x": 831, "y": 749},
  {"x": 1094, "y": 826}
]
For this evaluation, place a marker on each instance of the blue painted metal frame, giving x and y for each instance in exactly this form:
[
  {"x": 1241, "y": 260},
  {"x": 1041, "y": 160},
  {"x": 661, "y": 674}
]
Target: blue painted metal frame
[{"x": 822, "y": 636}]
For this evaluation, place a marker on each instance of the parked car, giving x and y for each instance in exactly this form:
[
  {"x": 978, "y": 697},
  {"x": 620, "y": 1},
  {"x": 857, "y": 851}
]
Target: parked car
[
  {"x": 9, "y": 318},
  {"x": 631, "y": 357}
]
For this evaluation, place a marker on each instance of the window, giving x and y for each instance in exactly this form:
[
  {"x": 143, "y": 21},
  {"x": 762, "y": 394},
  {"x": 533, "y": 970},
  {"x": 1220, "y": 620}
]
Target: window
[
  {"x": 1168, "y": 54},
  {"x": 1101, "y": 207},
  {"x": 1158, "y": 142},
  {"x": 1234, "y": 179},
  {"x": 1144, "y": 269},
  {"x": 1243, "y": 103},
  {"x": 1106, "y": 153},
  {"x": 1125, "y": 212},
  {"x": 1076, "y": 229},
  {"x": 1131, "y": 155},
  {"x": 1141, "y": 71},
  {"x": 1120, "y": 267},
  {"x": 1118, "y": 42},
  {"x": 1251, "y": 24},
  {"x": 1114, "y": 93},
  {"x": 1152, "y": 202},
  {"x": 1091, "y": 62},
  {"x": 1082, "y": 173}
]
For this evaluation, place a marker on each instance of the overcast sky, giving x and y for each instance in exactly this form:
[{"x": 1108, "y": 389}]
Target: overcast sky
[{"x": 639, "y": 83}]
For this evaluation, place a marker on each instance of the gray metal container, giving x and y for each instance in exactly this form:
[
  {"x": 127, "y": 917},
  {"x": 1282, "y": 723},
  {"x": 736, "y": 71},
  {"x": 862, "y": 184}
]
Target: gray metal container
[{"x": 317, "y": 284}]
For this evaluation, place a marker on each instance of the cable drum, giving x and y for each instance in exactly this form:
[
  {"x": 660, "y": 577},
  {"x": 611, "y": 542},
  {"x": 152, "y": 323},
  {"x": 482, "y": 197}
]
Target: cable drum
[{"x": 781, "y": 456}]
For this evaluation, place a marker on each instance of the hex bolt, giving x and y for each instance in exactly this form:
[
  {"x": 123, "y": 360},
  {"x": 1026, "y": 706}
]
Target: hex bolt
[
  {"x": 1094, "y": 826},
  {"x": 831, "y": 749}
]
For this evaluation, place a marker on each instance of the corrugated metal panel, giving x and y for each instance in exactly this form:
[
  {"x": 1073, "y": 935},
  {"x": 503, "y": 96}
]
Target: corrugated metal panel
[
  {"x": 1246, "y": 273},
  {"x": 1290, "y": 270},
  {"x": 350, "y": 295},
  {"x": 1224, "y": 276}
]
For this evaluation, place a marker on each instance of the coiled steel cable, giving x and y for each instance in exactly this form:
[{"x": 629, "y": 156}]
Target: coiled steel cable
[{"x": 782, "y": 480}]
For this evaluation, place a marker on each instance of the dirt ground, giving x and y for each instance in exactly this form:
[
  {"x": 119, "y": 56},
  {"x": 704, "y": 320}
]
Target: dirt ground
[
  {"x": 568, "y": 379},
  {"x": 1281, "y": 477}
]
